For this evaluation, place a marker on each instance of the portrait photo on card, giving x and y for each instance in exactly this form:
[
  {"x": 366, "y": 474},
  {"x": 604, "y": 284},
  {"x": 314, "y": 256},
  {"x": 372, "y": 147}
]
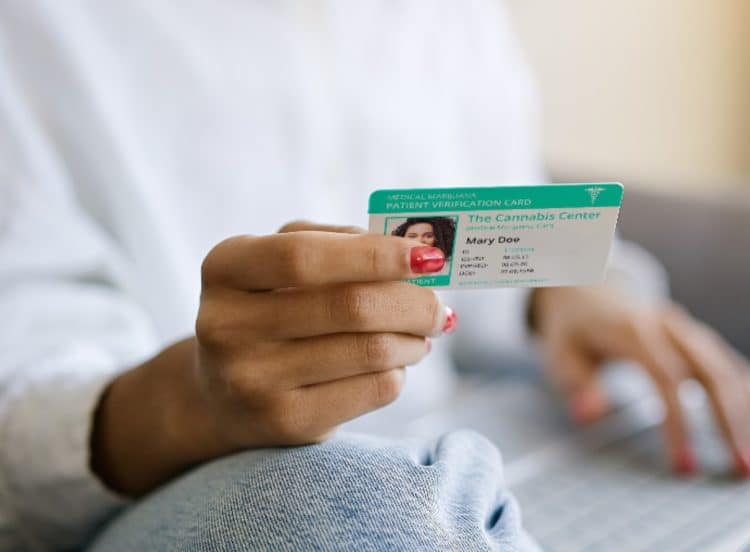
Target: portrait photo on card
[{"x": 434, "y": 231}]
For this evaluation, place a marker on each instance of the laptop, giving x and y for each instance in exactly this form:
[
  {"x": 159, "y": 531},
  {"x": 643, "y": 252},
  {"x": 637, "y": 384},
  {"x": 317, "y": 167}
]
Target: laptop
[{"x": 606, "y": 486}]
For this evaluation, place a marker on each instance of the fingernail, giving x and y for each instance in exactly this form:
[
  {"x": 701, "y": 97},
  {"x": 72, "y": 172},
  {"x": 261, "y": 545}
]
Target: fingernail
[
  {"x": 685, "y": 463},
  {"x": 429, "y": 344},
  {"x": 743, "y": 462},
  {"x": 581, "y": 407},
  {"x": 425, "y": 259},
  {"x": 585, "y": 407},
  {"x": 451, "y": 320}
]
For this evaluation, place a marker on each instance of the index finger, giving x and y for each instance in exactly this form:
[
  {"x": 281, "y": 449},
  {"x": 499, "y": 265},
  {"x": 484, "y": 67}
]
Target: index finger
[
  {"x": 310, "y": 258},
  {"x": 667, "y": 369},
  {"x": 718, "y": 369},
  {"x": 300, "y": 225}
]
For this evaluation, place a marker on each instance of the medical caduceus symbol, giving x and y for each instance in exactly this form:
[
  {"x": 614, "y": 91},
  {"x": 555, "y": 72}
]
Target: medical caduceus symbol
[{"x": 594, "y": 192}]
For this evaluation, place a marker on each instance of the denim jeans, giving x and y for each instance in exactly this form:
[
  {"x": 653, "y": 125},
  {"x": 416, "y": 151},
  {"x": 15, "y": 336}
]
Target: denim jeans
[{"x": 353, "y": 492}]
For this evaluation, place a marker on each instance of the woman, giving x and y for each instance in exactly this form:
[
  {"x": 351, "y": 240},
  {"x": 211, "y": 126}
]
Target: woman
[
  {"x": 149, "y": 150},
  {"x": 432, "y": 231}
]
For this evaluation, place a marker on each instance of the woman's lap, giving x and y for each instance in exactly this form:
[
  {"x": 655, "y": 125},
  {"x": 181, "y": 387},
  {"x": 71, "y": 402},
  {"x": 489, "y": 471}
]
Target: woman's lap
[{"x": 352, "y": 492}]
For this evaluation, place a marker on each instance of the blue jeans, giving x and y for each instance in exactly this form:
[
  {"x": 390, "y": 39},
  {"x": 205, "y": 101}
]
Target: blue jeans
[{"x": 353, "y": 492}]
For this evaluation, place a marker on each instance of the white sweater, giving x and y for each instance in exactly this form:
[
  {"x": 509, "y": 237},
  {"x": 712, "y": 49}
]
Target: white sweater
[{"x": 135, "y": 135}]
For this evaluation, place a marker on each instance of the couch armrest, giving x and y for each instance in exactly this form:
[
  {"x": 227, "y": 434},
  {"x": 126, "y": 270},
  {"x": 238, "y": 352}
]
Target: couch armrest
[{"x": 705, "y": 247}]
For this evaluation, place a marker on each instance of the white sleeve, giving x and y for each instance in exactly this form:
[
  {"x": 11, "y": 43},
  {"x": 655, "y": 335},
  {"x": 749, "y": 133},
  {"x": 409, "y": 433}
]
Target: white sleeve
[
  {"x": 67, "y": 326},
  {"x": 638, "y": 272}
]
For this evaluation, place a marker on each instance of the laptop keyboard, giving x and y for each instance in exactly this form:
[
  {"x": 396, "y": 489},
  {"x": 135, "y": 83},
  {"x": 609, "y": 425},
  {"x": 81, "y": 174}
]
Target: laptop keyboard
[{"x": 614, "y": 500}]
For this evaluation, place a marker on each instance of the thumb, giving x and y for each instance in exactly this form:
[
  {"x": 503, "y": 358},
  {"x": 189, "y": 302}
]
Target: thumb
[{"x": 577, "y": 378}]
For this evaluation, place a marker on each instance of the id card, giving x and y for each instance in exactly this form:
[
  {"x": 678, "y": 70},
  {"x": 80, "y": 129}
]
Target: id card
[{"x": 509, "y": 236}]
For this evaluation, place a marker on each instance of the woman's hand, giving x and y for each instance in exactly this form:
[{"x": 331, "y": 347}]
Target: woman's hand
[
  {"x": 297, "y": 332},
  {"x": 583, "y": 327}
]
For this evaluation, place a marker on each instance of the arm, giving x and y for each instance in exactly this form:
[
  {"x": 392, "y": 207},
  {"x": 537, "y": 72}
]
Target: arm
[
  {"x": 256, "y": 374},
  {"x": 67, "y": 329}
]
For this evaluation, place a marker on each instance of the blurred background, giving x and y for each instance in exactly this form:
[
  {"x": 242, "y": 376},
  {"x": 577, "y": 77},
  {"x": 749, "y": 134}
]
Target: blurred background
[
  {"x": 656, "y": 94},
  {"x": 653, "y": 92}
]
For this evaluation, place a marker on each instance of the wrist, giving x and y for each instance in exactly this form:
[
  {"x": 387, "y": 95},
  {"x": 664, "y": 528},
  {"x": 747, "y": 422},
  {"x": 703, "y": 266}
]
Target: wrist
[
  {"x": 189, "y": 423},
  {"x": 152, "y": 423}
]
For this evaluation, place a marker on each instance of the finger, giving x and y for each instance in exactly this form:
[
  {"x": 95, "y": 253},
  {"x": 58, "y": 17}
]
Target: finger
[
  {"x": 301, "y": 259},
  {"x": 328, "y": 358},
  {"x": 575, "y": 375},
  {"x": 717, "y": 369},
  {"x": 237, "y": 319},
  {"x": 302, "y": 225},
  {"x": 666, "y": 367},
  {"x": 327, "y": 405}
]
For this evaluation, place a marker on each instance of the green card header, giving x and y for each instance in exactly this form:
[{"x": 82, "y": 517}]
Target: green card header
[{"x": 545, "y": 196}]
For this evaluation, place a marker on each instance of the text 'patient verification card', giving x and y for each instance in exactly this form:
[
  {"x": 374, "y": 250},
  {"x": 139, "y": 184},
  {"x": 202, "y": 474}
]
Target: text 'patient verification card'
[{"x": 509, "y": 236}]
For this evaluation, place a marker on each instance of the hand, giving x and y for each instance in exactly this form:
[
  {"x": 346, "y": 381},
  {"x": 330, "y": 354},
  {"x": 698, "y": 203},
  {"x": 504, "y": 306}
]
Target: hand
[
  {"x": 583, "y": 327},
  {"x": 315, "y": 334},
  {"x": 296, "y": 333}
]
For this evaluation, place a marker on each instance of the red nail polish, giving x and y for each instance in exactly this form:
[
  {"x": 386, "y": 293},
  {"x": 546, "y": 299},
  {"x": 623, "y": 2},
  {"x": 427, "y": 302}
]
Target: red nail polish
[
  {"x": 450, "y": 320},
  {"x": 743, "y": 462},
  {"x": 685, "y": 463},
  {"x": 425, "y": 259},
  {"x": 585, "y": 407}
]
